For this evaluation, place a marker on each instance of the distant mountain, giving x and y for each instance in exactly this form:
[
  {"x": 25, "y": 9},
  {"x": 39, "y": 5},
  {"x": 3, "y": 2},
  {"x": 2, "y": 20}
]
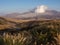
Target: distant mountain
[{"x": 36, "y": 13}]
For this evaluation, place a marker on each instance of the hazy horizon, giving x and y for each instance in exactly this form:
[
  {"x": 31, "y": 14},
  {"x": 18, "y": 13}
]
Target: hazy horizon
[{"x": 10, "y": 6}]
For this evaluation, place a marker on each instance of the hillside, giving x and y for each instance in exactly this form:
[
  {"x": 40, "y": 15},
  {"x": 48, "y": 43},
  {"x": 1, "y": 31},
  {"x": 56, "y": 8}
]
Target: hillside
[
  {"x": 33, "y": 32},
  {"x": 14, "y": 23},
  {"x": 9, "y": 23}
]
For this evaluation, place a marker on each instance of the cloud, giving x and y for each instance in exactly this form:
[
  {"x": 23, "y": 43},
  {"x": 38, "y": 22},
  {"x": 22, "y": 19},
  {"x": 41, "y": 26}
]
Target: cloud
[{"x": 41, "y": 9}]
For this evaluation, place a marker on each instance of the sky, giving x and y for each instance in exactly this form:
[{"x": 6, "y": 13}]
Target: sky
[{"x": 9, "y": 6}]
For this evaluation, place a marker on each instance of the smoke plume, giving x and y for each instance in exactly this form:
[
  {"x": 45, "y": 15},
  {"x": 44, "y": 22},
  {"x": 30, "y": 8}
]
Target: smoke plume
[{"x": 41, "y": 9}]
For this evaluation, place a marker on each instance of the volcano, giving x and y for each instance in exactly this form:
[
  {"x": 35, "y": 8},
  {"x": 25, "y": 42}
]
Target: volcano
[{"x": 40, "y": 12}]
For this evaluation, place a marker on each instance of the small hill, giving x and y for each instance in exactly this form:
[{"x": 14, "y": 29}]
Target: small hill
[{"x": 10, "y": 22}]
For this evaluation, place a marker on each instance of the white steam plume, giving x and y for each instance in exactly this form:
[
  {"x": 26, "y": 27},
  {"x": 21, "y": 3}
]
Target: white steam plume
[{"x": 41, "y": 9}]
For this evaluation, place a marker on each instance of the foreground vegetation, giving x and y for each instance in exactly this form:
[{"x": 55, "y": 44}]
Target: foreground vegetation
[{"x": 45, "y": 32}]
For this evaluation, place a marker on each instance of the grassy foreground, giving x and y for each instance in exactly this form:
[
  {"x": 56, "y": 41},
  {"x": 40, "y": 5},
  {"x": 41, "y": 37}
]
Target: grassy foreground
[{"x": 45, "y": 32}]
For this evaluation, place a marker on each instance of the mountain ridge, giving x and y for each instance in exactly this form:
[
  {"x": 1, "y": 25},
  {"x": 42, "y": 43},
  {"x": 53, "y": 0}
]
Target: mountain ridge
[{"x": 32, "y": 14}]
